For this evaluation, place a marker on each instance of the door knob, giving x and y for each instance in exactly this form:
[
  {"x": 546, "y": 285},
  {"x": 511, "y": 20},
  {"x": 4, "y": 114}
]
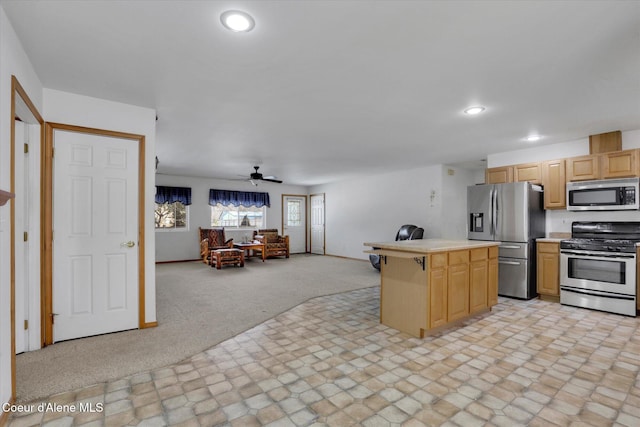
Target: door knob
[{"x": 128, "y": 244}]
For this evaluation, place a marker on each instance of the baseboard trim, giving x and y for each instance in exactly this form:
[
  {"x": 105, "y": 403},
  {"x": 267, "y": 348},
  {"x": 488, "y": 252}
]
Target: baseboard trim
[
  {"x": 178, "y": 260},
  {"x": 347, "y": 257}
]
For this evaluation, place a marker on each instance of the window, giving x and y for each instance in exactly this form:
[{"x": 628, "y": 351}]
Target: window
[
  {"x": 172, "y": 216},
  {"x": 293, "y": 213},
  {"x": 238, "y": 209},
  {"x": 231, "y": 216},
  {"x": 172, "y": 212}
]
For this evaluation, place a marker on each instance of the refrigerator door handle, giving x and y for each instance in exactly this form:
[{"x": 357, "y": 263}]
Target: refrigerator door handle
[
  {"x": 496, "y": 213},
  {"x": 510, "y": 262},
  {"x": 493, "y": 212}
]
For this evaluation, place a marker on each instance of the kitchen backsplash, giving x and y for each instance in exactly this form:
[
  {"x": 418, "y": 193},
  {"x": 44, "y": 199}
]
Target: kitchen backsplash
[{"x": 560, "y": 220}]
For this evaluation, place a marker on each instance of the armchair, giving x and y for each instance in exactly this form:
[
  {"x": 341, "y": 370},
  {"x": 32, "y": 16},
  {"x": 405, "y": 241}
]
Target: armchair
[
  {"x": 274, "y": 244},
  {"x": 212, "y": 238}
]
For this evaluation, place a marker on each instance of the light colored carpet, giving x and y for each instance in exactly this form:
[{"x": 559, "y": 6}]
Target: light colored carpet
[{"x": 197, "y": 307}]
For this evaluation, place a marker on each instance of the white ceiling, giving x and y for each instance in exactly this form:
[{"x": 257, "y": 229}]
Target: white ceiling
[{"x": 325, "y": 90}]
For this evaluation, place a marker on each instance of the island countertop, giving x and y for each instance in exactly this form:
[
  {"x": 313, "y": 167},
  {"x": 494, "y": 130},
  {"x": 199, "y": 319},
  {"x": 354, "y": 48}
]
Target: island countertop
[{"x": 425, "y": 246}]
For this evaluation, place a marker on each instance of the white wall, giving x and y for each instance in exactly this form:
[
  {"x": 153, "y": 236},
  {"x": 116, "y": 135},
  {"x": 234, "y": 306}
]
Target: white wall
[
  {"x": 183, "y": 245},
  {"x": 78, "y": 110},
  {"x": 560, "y": 220},
  {"x": 371, "y": 209},
  {"x": 13, "y": 61}
]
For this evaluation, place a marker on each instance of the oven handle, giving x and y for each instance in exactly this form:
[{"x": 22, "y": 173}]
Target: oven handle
[
  {"x": 599, "y": 255},
  {"x": 613, "y": 295}
]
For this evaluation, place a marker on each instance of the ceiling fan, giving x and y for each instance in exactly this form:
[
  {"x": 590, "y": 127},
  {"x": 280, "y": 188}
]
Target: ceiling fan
[{"x": 257, "y": 176}]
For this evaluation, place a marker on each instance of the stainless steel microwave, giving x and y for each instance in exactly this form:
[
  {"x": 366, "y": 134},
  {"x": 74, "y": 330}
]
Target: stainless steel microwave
[{"x": 603, "y": 195}]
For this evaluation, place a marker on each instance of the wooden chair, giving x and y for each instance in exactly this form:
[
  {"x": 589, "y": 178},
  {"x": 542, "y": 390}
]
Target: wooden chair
[
  {"x": 212, "y": 238},
  {"x": 274, "y": 244}
]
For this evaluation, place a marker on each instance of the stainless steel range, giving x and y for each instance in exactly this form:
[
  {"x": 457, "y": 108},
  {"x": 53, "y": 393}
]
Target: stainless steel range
[{"x": 598, "y": 266}]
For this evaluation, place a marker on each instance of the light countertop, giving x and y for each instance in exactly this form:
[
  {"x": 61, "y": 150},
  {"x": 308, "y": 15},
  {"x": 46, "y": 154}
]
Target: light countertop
[{"x": 431, "y": 245}]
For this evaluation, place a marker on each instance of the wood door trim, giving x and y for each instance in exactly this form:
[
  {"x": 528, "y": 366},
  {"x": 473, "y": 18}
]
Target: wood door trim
[
  {"x": 16, "y": 90},
  {"x": 47, "y": 219},
  {"x": 302, "y": 196}
]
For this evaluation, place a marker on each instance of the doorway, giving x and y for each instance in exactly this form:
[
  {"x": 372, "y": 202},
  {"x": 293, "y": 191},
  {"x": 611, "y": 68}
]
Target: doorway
[
  {"x": 26, "y": 138},
  {"x": 294, "y": 222},
  {"x": 317, "y": 224},
  {"x": 94, "y": 272}
]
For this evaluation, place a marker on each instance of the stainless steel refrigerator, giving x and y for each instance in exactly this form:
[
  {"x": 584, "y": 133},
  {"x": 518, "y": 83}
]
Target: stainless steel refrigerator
[{"x": 514, "y": 215}]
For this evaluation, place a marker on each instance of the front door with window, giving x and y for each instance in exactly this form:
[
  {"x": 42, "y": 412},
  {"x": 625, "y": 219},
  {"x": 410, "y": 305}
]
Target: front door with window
[
  {"x": 95, "y": 243},
  {"x": 295, "y": 222}
]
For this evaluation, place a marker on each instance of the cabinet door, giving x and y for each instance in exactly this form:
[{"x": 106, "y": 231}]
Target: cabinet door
[
  {"x": 548, "y": 270},
  {"x": 530, "y": 172},
  {"x": 620, "y": 164},
  {"x": 492, "y": 285},
  {"x": 604, "y": 142},
  {"x": 457, "y": 291},
  {"x": 478, "y": 286},
  {"x": 554, "y": 182},
  {"x": 583, "y": 168},
  {"x": 437, "y": 297},
  {"x": 499, "y": 175}
]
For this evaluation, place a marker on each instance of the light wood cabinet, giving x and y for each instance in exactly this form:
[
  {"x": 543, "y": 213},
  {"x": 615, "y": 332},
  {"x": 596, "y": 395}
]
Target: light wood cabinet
[
  {"x": 478, "y": 280},
  {"x": 423, "y": 293},
  {"x": 620, "y": 164},
  {"x": 500, "y": 175},
  {"x": 548, "y": 269},
  {"x": 492, "y": 280},
  {"x": 554, "y": 182},
  {"x": 437, "y": 297},
  {"x": 583, "y": 168},
  {"x": 605, "y": 142},
  {"x": 616, "y": 164},
  {"x": 528, "y": 172},
  {"x": 457, "y": 292}
]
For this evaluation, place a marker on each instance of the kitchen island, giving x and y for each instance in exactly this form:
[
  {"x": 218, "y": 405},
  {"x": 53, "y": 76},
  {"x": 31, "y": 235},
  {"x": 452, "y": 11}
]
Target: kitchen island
[{"x": 432, "y": 284}]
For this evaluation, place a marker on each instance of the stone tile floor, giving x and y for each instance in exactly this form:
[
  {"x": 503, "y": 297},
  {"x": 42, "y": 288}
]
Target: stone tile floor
[{"x": 328, "y": 362}]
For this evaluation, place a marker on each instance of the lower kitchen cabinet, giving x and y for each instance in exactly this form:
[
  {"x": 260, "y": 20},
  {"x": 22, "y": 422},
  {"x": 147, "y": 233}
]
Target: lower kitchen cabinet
[{"x": 548, "y": 260}]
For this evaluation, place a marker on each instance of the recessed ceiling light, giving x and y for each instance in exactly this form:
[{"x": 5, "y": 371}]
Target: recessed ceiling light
[
  {"x": 237, "y": 21},
  {"x": 474, "y": 110},
  {"x": 533, "y": 138}
]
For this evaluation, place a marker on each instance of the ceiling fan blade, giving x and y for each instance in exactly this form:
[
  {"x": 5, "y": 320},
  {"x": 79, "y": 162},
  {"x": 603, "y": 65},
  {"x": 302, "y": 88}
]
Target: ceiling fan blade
[{"x": 272, "y": 180}]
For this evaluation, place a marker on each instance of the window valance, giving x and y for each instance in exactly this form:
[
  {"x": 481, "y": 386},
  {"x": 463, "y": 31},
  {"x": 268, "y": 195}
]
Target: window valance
[
  {"x": 173, "y": 194},
  {"x": 239, "y": 198}
]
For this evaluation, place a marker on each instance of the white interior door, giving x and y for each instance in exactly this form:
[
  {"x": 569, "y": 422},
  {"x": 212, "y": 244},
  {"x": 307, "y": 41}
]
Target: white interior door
[
  {"x": 317, "y": 224},
  {"x": 95, "y": 225},
  {"x": 295, "y": 223},
  {"x": 21, "y": 246}
]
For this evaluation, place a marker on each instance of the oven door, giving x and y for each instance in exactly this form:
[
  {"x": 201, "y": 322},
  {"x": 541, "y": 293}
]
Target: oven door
[{"x": 598, "y": 271}]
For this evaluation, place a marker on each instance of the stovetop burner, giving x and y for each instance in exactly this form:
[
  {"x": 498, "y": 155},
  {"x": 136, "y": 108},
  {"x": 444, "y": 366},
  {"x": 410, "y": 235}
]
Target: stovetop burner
[
  {"x": 608, "y": 245},
  {"x": 603, "y": 236}
]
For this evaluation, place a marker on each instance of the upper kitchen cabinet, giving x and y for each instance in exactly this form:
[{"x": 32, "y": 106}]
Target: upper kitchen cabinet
[
  {"x": 583, "y": 168},
  {"x": 528, "y": 172},
  {"x": 620, "y": 164},
  {"x": 499, "y": 175},
  {"x": 554, "y": 182},
  {"x": 605, "y": 142},
  {"x": 615, "y": 164}
]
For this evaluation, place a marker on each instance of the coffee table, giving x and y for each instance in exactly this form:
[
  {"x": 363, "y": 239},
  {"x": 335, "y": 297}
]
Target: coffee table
[{"x": 251, "y": 246}]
